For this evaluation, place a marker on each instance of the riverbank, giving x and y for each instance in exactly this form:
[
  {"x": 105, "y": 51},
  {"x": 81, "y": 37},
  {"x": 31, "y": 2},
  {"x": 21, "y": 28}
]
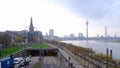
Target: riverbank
[
  {"x": 99, "y": 46},
  {"x": 98, "y": 59}
]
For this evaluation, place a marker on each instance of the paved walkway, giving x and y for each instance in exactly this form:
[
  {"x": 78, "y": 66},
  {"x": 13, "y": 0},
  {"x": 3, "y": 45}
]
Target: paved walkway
[
  {"x": 50, "y": 62},
  {"x": 75, "y": 63}
]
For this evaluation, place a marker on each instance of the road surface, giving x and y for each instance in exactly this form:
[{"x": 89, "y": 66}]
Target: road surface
[{"x": 50, "y": 62}]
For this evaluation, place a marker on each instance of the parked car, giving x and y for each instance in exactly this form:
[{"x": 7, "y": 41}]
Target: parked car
[
  {"x": 22, "y": 63},
  {"x": 25, "y": 62},
  {"x": 28, "y": 59},
  {"x": 17, "y": 60}
]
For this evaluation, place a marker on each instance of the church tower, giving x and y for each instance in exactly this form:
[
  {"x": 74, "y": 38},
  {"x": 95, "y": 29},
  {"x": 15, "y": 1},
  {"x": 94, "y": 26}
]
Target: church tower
[
  {"x": 31, "y": 28},
  {"x": 31, "y": 32}
]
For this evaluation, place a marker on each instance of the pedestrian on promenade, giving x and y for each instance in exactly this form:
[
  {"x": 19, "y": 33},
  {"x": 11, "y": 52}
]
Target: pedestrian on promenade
[
  {"x": 69, "y": 58},
  {"x": 40, "y": 57},
  {"x": 69, "y": 64}
]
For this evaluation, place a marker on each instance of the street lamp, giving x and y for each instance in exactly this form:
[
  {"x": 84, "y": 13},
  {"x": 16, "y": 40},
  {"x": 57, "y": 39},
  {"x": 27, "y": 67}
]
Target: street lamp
[
  {"x": 0, "y": 51},
  {"x": 26, "y": 40},
  {"x": 87, "y": 30}
]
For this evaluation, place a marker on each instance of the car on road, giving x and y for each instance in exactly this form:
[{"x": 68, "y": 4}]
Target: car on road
[
  {"x": 17, "y": 60},
  {"x": 25, "y": 62}
]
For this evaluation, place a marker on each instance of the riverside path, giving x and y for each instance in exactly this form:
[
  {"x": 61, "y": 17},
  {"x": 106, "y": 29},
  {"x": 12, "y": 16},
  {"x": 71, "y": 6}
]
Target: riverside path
[
  {"x": 73, "y": 61},
  {"x": 50, "y": 62}
]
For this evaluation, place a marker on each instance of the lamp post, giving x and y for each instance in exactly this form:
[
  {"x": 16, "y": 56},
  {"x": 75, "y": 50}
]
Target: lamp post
[
  {"x": 25, "y": 48},
  {"x": 0, "y": 51},
  {"x": 87, "y": 30},
  {"x": 26, "y": 37},
  {"x": 12, "y": 37}
]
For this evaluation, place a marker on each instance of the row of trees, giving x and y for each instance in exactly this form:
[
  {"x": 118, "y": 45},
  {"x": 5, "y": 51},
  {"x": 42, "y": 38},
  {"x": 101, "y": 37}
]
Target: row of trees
[
  {"x": 88, "y": 54},
  {"x": 6, "y": 40}
]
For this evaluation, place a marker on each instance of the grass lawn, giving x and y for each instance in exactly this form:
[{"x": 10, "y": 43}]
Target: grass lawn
[
  {"x": 14, "y": 49},
  {"x": 40, "y": 46},
  {"x": 10, "y": 50}
]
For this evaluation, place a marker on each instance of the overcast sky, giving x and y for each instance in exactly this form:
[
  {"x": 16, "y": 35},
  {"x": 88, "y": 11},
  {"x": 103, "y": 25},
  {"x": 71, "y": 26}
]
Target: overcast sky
[{"x": 64, "y": 16}]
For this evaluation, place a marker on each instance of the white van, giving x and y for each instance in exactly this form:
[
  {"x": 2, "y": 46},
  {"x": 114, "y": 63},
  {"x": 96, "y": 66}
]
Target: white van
[{"x": 17, "y": 60}]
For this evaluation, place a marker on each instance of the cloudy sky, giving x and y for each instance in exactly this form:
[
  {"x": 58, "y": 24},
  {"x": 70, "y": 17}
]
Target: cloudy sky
[{"x": 64, "y": 16}]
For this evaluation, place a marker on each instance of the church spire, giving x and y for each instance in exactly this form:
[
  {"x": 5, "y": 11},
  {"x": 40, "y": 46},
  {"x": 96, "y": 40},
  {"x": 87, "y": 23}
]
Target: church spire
[
  {"x": 31, "y": 28},
  {"x": 31, "y": 32}
]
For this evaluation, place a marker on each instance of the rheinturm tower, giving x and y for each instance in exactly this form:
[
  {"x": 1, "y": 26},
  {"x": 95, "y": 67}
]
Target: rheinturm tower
[
  {"x": 87, "y": 29},
  {"x": 31, "y": 32}
]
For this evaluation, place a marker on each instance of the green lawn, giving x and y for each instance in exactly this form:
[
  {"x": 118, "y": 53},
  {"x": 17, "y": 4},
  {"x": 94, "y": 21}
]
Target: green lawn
[
  {"x": 40, "y": 46},
  {"x": 10, "y": 50},
  {"x": 14, "y": 49}
]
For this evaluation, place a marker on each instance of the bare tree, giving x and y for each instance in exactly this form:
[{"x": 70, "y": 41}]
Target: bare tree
[{"x": 5, "y": 40}]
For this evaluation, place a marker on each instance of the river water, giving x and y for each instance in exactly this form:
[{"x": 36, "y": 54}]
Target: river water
[{"x": 99, "y": 46}]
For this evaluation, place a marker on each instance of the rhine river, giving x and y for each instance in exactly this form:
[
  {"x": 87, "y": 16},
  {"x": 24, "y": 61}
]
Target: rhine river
[{"x": 99, "y": 46}]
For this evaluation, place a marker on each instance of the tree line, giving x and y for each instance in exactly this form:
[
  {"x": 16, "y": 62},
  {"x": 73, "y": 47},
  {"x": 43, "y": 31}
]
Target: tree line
[{"x": 6, "y": 40}]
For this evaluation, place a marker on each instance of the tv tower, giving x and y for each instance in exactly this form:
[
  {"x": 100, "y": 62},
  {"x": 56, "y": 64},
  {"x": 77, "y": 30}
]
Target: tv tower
[
  {"x": 87, "y": 29},
  {"x": 105, "y": 32}
]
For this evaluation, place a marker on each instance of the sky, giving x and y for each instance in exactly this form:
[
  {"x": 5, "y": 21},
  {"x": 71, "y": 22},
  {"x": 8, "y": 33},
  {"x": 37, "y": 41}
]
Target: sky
[{"x": 64, "y": 16}]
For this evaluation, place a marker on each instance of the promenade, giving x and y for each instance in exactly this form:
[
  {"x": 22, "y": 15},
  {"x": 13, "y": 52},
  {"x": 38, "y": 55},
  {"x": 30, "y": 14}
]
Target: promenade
[
  {"x": 64, "y": 59},
  {"x": 50, "y": 62},
  {"x": 75, "y": 63}
]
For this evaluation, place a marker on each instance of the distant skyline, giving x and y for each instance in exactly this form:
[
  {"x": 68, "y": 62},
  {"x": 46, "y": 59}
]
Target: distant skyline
[{"x": 64, "y": 16}]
